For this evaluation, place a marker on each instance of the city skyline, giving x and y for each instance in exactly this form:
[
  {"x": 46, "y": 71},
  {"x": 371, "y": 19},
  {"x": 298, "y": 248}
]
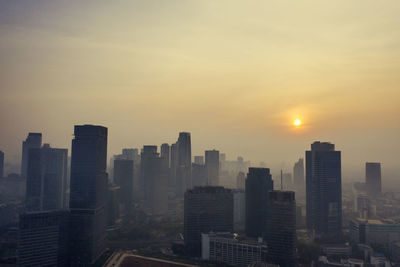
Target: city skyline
[{"x": 147, "y": 70}]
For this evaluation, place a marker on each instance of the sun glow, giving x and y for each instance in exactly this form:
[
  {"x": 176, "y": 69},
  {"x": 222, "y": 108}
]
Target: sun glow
[{"x": 297, "y": 122}]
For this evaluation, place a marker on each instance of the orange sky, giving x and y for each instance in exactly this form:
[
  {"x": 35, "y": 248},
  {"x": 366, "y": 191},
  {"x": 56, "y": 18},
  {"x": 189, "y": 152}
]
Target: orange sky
[{"x": 233, "y": 73}]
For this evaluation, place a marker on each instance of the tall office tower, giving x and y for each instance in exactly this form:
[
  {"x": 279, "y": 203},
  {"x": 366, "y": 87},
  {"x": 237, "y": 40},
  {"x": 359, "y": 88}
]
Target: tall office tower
[
  {"x": 206, "y": 209},
  {"x": 42, "y": 239},
  {"x": 123, "y": 177},
  {"x": 87, "y": 229},
  {"x": 165, "y": 153},
  {"x": 241, "y": 181},
  {"x": 373, "y": 179},
  {"x": 199, "y": 175},
  {"x": 212, "y": 167},
  {"x": 239, "y": 210},
  {"x": 148, "y": 153},
  {"x": 324, "y": 190},
  {"x": 46, "y": 181},
  {"x": 281, "y": 222},
  {"x": 1, "y": 164},
  {"x": 155, "y": 176},
  {"x": 173, "y": 165},
  {"x": 286, "y": 181},
  {"x": 298, "y": 174},
  {"x": 130, "y": 153},
  {"x": 184, "y": 171},
  {"x": 258, "y": 183},
  {"x": 199, "y": 160},
  {"x": 34, "y": 140}
]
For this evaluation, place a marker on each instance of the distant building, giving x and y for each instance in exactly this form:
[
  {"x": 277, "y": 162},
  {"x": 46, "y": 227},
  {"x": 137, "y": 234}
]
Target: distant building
[
  {"x": 87, "y": 229},
  {"x": 232, "y": 249},
  {"x": 43, "y": 238},
  {"x": 382, "y": 232},
  {"x": 281, "y": 223},
  {"x": 113, "y": 205},
  {"x": 166, "y": 153},
  {"x": 324, "y": 190},
  {"x": 362, "y": 206},
  {"x": 298, "y": 174},
  {"x": 1, "y": 164},
  {"x": 184, "y": 169},
  {"x": 174, "y": 164},
  {"x": 34, "y": 140},
  {"x": 46, "y": 179},
  {"x": 199, "y": 160},
  {"x": 241, "y": 181},
  {"x": 123, "y": 177},
  {"x": 286, "y": 181},
  {"x": 212, "y": 167},
  {"x": 239, "y": 210},
  {"x": 199, "y": 175},
  {"x": 206, "y": 209},
  {"x": 373, "y": 179},
  {"x": 258, "y": 183}
]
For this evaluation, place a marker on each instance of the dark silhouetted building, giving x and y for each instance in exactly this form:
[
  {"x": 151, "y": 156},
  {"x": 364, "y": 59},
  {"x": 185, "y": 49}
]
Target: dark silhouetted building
[
  {"x": 373, "y": 179},
  {"x": 88, "y": 195},
  {"x": 281, "y": 222},
  {"x": 123, "y": 177},
  {"x": 173, "y": 165},
  {"x": 298, "y": 174},
  {"x": 34, "y": 140},
  {"x": 1, "y": 164},
  {"x": 43, "y": 239},
  {"x": 165, "y": 153},
  {"x": 46, "y": 181},
  {"x": 184, "y": 169},
  {"x": 148, "y": 153},
  {"x": 206, "y": 209},
  {"x": 212, "y": 167},
  {"x": 258, "y": 184},
  {"x": 324, "y": 190},
  {"x": 113, "y": 205}
]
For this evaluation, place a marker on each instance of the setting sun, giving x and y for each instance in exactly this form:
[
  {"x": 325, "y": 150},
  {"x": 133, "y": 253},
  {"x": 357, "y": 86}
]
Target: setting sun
[{"x": 297, "y": 122}]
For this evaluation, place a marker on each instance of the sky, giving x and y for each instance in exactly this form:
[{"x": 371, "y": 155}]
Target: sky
[{"x": 233, "y": 73}]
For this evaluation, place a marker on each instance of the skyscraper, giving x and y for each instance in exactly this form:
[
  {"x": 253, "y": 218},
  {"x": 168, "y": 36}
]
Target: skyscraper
[
  {"x": 146, "y": 170},
  {"x": 199, "y": 160},
  {"x": 281, "y": 223},
  {"x": 373, "y": 180},
  {"x": 258, "y": 184},
  {"x": 184, "y": 171},
  {"x": 206, "y": 209},
  {"x": 34, "y": 140},
  {"x": 123, "y": 177},
  {"x": 173, "y": 165},
  {"x": 241, "y": 181},
  {"x": 1, "y": 164},
  {"x": 298, "y": 174},
  {"x": 46, "y": 181},
  {"x": 199, "y": 175},
  {"x": 324, "y": 190},
  {"x": 212, "y": 167},
  {"x": 88, "y": 194}
]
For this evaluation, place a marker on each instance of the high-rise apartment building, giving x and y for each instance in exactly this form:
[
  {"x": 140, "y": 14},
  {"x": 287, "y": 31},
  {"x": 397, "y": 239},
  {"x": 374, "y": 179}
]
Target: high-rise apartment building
[
  {"x": 46, "y": 181},
  {"x": 298, "y": 174},
  {"x": 87, "y": 229},
  {"x": 324, "y": 190},
  {"x": 42, "y": 239},
  {"x": 258, "y": 184},
  {"x": 34, "y": 140},
  {"x": 206, "y": 209},
  {"x": 212, "y": 167},
  {"x": 281, "y": 222},
  {"x": 373, "y": 179},
  {"x": 123, "y": 177}
]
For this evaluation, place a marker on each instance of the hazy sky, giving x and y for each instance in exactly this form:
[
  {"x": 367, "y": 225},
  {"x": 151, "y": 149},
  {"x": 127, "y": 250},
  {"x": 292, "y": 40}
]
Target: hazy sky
[{"x": 233, "y": 73}]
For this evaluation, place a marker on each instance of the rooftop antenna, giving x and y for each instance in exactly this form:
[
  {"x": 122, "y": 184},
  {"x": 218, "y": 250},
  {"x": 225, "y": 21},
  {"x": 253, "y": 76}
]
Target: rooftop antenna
[{"x": 281, "y": 181}]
